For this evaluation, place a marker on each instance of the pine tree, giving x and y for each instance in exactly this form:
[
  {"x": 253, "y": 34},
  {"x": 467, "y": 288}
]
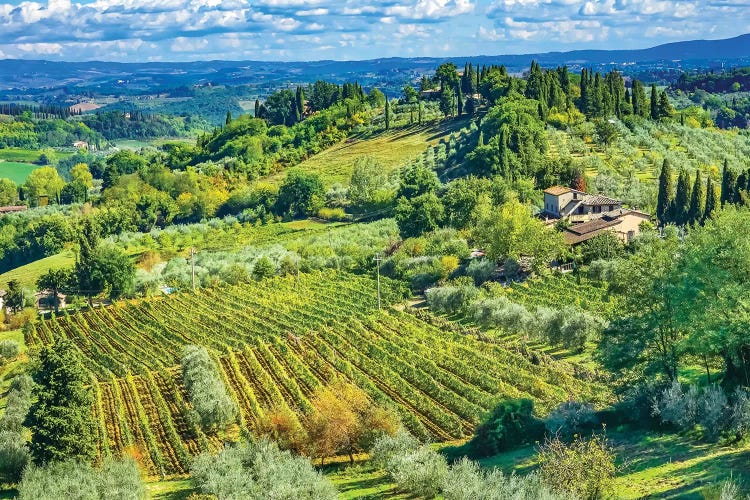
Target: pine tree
[
  {"x": 665, "y": 197},
  {"x": 681, "y": 204},
  {"x": 61, "y": 423},
  {"x": 712, "y": 200},
  {"x": 697, "y": 201},
  {"x": 654, "y": 103}
]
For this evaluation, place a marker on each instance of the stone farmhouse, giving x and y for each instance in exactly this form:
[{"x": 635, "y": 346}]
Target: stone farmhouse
[{"x": 590, "y": 214}]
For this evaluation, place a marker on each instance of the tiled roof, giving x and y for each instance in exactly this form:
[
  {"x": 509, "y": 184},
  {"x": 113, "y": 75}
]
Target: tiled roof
[
  {"x": 557, "y": 190},
  {"x": 582, "y": 232},
  {"x": 599, "y": 199},
  {"x": 12, "y": 208}
]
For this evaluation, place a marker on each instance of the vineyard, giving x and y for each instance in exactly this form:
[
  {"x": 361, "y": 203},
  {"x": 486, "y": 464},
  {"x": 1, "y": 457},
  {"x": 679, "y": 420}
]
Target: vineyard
[
  {"x": 276, "y": 342},
  {"x": 561, "y": 291}
]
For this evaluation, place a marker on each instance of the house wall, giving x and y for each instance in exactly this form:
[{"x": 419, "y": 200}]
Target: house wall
[
  {"x": 629, "y": 228},
  {"x": 553, "y": 204}
]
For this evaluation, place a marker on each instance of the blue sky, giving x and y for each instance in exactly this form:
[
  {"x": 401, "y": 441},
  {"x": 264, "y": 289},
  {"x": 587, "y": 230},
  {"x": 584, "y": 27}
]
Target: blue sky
[{"x": 184, "y": 30}]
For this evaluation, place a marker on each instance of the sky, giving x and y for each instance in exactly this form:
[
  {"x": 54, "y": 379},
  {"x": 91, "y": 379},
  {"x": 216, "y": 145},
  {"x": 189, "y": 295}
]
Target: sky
[{"x": 305, "y": 30}]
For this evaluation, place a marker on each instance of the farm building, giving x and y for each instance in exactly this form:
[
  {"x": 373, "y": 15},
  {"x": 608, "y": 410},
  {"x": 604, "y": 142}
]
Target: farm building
[
  {"x": 563, "y": 202},
  {"x": 623, "y": 222}
]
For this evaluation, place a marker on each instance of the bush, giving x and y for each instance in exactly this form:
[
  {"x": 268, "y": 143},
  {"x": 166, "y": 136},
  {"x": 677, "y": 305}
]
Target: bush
[
  {"x": 466, "y": 480},
  {"x": 480, "y": 270},
  {"x": 499, "y": 312},
  {"x": 333, "y": 214},
  {"x": 510, "y": 424},
  {"x": 584, "y": 469},
  {"x": 677, "y": 407},
  {"x": 713, "y": 412},
  {"x": 17, "y": 403},
  {"x": 568, "y": 327},
  {"x": 14, "y": 455},
  {"x": 206, "y": 390},
  {"x": 259, "y": 470},
  {"x": 116, "y": 479},
  {"x": 571, "y": 418},
  {"x": 451, "y": 299},
  {"x": 9, "y": 349}
]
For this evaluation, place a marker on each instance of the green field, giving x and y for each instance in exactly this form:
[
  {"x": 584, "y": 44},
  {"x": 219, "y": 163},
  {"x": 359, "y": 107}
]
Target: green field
[
  {"x": 16, "y": 171},
  {"x": 30, "y": 273},
  {"x": 392, "y": 149}
]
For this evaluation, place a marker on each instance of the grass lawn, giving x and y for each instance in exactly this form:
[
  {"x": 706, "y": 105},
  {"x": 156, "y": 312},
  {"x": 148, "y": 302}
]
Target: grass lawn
[
  {"x": 29, "y": 273},
  {"x": 175, "y": 489},
  {"x": 393, "y": 149},
  {"x": 655, "y": 465},
  {"x": 16, "y": 171},
  {"x": 19, "y": 154}
]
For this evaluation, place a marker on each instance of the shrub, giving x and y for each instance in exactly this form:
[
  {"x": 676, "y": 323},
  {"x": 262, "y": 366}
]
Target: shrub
[
  {"x": 17, "y": 404},
  {"x": 259, "y": 470},
  {"x": 677, "y": 407},
  {"x": 333, "y": 214},
  {"x": 206, "y": 390},
  {"x": 451, "y": 299},
  {"x": 585, "y": 468},
  {"x": 9, "y": 349},
  {"x": 480, "y": 270},
  {"x": 467, "y": 481},
  {"x": 739, "y": 413},
  {"x": 116, "y": 479},
  {"x": 713, "y": 411},
  {"x": 420, "y": 472},
  {"x": 499, "y": 312},
  {"x": 510, "y": 424},
  {"x": 14, "y": 455},
  {"x": 571, "y": 418}
]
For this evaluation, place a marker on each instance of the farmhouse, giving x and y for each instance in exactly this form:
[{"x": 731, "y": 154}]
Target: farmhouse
[
  {"x": 590, "y": 214},
  {"x": 563, "y": 202},
  {"x": 624, "y": 223},
  {"x": 81, "y": 145}
]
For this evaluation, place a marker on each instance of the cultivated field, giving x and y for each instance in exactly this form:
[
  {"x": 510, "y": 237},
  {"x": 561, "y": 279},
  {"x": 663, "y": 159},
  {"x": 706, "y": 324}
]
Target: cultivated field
[{"x": 279, "y": 340}]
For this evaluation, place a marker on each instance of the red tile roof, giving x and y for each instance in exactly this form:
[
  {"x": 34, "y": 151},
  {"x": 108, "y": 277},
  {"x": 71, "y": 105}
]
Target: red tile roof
[{"x": 557, "y": 190}]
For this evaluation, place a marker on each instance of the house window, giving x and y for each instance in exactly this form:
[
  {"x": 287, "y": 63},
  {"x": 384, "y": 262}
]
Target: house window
[
  {"x": 597, "y": 209},
  {"x": 631, "y": 235},
  {"x": 611, "y": 207},
  {"x": 580, "y": 210}
]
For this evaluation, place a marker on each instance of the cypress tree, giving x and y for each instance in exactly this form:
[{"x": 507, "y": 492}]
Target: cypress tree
[
  {"x": 387, "y": 114},
  {"x": 664, "y": 200},
  {"x": 420, "y": 112},
  {"x": 229, "y": 118},
  {"x": 681, "y": 206},
  {"x": 665, "y": 108},
  {"x": 712, "y": 200},
  {"x": 728, "y": 185},
  {"x": 654, "y": 103},
  {"x": 460, "y": 97},
  {"x": 697, "y": 201},
  {"x": 61, "y": 423},
  {"x": 257, "y": 108}
]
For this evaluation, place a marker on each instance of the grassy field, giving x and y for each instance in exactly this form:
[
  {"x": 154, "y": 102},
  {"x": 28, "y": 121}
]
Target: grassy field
[
  {"x": 29, "y": 273},
  {"x": 392, "y": 149},
  {"x": 16, "y": 171}
]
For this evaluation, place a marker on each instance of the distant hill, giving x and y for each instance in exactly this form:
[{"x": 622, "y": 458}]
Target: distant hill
[{"x": 35, "y": 74}]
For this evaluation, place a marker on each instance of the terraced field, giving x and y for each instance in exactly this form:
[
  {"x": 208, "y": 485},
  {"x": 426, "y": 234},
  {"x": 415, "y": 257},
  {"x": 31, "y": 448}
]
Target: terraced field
[{"x": 276, "y": 342}]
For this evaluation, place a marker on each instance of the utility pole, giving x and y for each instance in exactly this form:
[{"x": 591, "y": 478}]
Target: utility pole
[
  {"x": 377, "y": 259},
  {"x": 192, "y": 266}
]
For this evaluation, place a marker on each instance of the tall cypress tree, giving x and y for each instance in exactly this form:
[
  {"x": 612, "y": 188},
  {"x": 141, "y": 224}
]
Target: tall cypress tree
[
  {"x": 697, "y": 201},
  {"x": 229, "y": 118},
  {"x": 728, "y": 185},
  {"x": 257, "y": 108},
  {"x": 387, "y": 114},
  {"x": 712, "y": 200},
  {"x": 654, "y": 103},
  {"x": 681, "y": 205},
  {"x": 666, "y": 189},
  {"x": 62, "y": 427},
  {"x": 460, "y": 97}
]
